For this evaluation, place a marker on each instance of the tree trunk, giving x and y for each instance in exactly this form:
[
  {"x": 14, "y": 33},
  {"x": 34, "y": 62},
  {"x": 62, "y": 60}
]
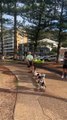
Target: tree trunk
[
  {"x": 2, "y": 50},
  {"x": 59, "y": 45},
  {"x": 38, "y": 26},
  {"x": 60, "y": 30},
  {"x": 15, "y": 30}
]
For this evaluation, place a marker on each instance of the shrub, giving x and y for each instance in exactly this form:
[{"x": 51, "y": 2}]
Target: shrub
[{"x": 38, "y": 61}]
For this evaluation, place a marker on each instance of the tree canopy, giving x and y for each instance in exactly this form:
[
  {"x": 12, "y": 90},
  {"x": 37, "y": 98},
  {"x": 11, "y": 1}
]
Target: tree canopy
[{"x": 40, "y": 19}]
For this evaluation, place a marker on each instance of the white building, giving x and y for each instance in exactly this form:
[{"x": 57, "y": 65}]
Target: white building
[
  {"x": 49, "y": 43},
  {"x": 8, "y": 41}
]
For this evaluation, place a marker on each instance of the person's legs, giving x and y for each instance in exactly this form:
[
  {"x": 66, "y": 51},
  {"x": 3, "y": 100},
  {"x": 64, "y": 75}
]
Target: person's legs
[
  {"x": 33, "y": 67},
  {"x": 30, "y": 66},
  {"x": 64, "y": 73}
]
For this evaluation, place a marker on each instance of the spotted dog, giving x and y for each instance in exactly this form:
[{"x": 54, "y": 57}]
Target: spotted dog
[{"x": 40, "y": 79}]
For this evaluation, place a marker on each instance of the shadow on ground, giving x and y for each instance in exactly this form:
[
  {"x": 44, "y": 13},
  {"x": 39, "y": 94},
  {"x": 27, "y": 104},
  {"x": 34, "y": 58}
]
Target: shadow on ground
[{"x": 38, "y": 93}]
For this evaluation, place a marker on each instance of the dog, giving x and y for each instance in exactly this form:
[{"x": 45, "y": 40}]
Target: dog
[{"x": 40, "y": 79}]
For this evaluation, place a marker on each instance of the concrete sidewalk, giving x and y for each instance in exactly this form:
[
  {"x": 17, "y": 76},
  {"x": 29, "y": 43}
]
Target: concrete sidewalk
[{"x": 33, "y": 104}]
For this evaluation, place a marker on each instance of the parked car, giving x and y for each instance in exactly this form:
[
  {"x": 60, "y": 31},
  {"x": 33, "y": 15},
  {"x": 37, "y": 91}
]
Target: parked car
[
  {"x": 52, "y": 58},
  {"x": 8, "y": 57},
  {"x": 48, "y": 58}
]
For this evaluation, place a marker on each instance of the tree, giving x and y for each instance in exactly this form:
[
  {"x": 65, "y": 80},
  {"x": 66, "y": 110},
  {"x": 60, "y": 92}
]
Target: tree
[
  {"x": 1, "y": 17},
  {"x": 60, "y": 29},
  {"x": 57, "y": 22},
  {"x": 61, "y": 25},
  {"x": 45, "y": 19},
  {"x": 15, "y": 29},
  {"x": 34, "y": 13}
]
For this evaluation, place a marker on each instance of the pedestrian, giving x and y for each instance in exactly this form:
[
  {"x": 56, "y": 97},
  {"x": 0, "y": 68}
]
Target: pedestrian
[
  {"x": 64, "y": 73},
  {"x": 29, "y": 59}
]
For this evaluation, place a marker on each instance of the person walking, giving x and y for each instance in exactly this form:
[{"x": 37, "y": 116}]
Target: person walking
[
  {"x": 64, "y": 73},
  {"x": 29, "y": 59}
]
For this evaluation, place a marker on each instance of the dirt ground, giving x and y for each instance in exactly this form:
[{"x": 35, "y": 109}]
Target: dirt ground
[
  {"x": 54, "y": 65},
  {"x": 7, "y": 94}
]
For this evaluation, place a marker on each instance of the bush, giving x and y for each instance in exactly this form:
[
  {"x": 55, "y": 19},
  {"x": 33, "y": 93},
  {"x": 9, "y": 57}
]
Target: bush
[{"x": 38, "y": 61}]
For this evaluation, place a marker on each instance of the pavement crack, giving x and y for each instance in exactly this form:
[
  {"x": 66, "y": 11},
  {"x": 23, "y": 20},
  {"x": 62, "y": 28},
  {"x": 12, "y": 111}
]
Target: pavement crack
[{"x": 43, "y": 111}]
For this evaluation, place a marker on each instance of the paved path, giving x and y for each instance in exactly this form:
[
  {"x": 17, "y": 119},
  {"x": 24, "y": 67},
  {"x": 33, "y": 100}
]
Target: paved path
[{"x": 39, "y": 105}]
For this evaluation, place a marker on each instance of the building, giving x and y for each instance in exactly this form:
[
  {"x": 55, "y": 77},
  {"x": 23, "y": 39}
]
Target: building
[
  {"x": 49, "y": 43},
  {"x": 61, "y": 55},
  {"x": 8, "y": 41}
]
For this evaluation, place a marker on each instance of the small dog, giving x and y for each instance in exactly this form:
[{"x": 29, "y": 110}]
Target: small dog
[{"x": 40, "y": 79}]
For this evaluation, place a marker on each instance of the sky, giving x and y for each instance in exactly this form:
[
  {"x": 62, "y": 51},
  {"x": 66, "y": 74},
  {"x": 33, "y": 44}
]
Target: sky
[
  {"x": 19, "y": 19},
  {"x": 12, "y": 19}
]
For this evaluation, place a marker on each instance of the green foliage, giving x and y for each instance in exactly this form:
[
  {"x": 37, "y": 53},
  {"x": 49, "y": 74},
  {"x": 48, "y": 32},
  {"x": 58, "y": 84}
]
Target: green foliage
[
  {"x": 53, "y": 51},
  {"x": 38, "y": 61}
]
